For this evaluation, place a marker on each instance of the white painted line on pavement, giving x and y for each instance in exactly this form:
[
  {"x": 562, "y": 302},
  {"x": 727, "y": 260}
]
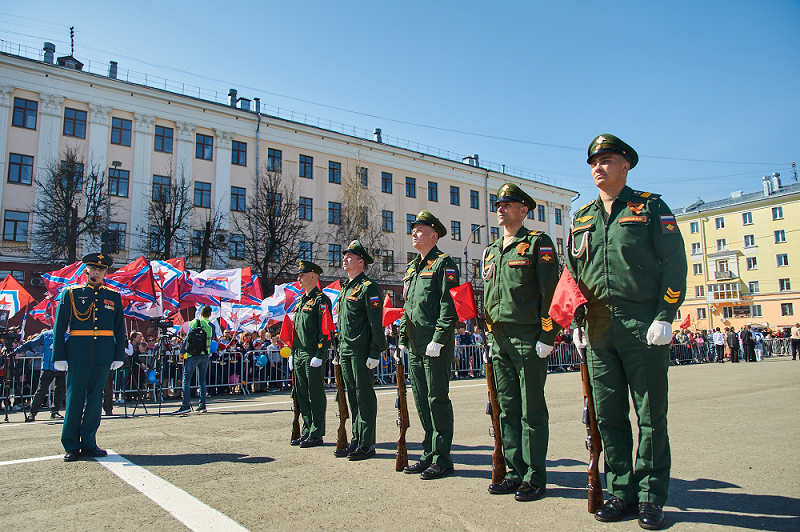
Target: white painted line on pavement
[
  {"x": 196, "y": 515},
  {"x": 27, "y": 460}
]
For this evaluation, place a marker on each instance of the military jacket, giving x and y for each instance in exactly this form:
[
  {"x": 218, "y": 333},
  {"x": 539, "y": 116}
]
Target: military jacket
[
  {"x": 309, "y": 312},
  {"x": 429, "y": 313},
  {"x": 360, "y": 319},
  {"x": 519, "y": 282},
  {"x": 94, "y": 319},
  {"x": 635, "y": 262}
]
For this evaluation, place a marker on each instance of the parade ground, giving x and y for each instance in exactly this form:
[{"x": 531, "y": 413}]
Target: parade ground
[{"x": 733, "y": 432}]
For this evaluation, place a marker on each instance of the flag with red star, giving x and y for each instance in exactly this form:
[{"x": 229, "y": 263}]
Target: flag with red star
[{"x": 13, "y": 296}]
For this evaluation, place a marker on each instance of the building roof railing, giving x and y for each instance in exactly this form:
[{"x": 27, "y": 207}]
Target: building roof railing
[{"x": 750, "y": 197}]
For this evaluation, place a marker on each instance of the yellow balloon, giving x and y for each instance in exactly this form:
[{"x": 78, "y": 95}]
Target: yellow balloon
[{"x": 285, "y": 352}]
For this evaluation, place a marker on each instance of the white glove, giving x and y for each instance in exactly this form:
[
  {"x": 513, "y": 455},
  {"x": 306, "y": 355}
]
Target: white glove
[
  {"x": 115, "y": 365},
  {"x": 543, "y": 349},
  {"x": 372, "y": 363},
  {"x": 336, "y": 361},
  {"x": 291, "y": 363},
  {"x": 61, "y": 365},
  {"x": 487, "y": 353},
  {"x": 659, "y": 333},
  {"x": 579, "y": 337},
  {"x": 433, "y": 349},
  {"x": 316, "y": 362},
  {"x": 398, "y": 353}
]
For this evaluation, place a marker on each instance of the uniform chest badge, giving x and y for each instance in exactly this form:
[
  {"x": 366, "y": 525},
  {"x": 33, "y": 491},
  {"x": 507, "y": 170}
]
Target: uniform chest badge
[
  {"x": 522, "y": 247},
  {"x": 636, "y": 208},
  {"x": 109, "y": 304},
  {"x": 584, "y": 219},
  {"x": 355, "y": 290},
  {"x": 83, "y": 299},
  {"x": 430, "y": 264}
]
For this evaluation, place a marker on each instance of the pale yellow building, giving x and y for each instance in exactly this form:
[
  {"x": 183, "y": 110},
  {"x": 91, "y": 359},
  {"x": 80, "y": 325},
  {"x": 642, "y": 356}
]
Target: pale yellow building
[{"x": 744, "y": 258}]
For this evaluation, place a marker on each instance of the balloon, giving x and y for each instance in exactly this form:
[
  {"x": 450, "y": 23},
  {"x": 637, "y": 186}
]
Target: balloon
[
  {"x": 151, "y": 377},
  {"x": 214, "y": 346},
  {"x": 262, "y": 361},
  {"x": 285, "y": 352}
]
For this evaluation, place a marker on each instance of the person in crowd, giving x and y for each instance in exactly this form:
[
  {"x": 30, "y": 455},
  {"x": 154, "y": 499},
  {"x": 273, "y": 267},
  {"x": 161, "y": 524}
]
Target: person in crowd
[
  {"x": 44, "y": 341},
  {"x": 748, "y": 343},
  {"x": 795, "y": 339},
  {"x": 758, "y": 348},
  {"x": 732, "y": 339},
  {"x": 465, "y": 341},
  {"x": 719, "y": 345},
  {"x": 196, "y": 360}
]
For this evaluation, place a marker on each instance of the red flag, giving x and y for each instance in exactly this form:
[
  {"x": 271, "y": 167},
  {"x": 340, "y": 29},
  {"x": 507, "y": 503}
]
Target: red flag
[
  {"x": 287, "y": 331},
  {"x": 566, "y": 299},
  {"x": 687, "y": 321},
  {"x": 328, "y": 327},
  {"x": 464, "y": 300},
  {"x": 134, "y": 266},
  {"x": 13, "y": 297},
  {"x": 390, "y": 314}
]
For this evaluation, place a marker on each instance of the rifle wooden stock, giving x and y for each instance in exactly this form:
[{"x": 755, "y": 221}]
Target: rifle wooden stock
[
  {"x": 401, "y": 462},
  {"x": 593, "y": 442},
  {"x": 498, "y": 458},
  {"x": 296, "y": 408},
  {"x": 341, "y": 436}
]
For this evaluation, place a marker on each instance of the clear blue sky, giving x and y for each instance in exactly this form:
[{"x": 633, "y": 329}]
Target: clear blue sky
[{"x": 717, "y": 81}]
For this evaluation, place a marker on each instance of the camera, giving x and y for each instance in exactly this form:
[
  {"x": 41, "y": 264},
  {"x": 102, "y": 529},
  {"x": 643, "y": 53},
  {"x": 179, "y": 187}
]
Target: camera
[{"x": 162, "y": 323}]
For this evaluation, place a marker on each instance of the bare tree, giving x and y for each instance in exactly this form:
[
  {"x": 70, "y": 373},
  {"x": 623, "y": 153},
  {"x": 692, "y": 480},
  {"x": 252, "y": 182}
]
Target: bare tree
[
  {"x": 71, "y": 205},
  {"x": 209, "y": 242},
  {"x": 169, "y": 215},
  {"x": 271, "y": 228}
]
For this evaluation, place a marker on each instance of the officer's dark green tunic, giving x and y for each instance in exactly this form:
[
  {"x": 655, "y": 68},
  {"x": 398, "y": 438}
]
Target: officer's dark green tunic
[
  {"x": 631, "y": 266},
  {"x": 430, "y": 315},
  {"x": 361, "y": 337},
  {"x": 519, "y": 281},
  {"x": 96, "y": 325},
  {"x": 309, "y": 343}
]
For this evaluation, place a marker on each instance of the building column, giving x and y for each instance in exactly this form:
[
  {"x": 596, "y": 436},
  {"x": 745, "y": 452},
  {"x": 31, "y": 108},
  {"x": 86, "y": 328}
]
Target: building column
[
  {"x": 551, "y": 220},
  {"x": 140, "y": 182},
  {"x": 5, "y": 109},
  {"x": 184, "y": 153},
  {"x": 47, "y": 155},
  {"x": 565, "y": 220},
  {"x": 222, "y": 182},
  {"x": 98, "y": 134}
]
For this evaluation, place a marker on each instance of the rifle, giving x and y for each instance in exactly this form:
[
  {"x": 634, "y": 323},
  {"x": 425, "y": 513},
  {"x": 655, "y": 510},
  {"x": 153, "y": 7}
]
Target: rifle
[
  {"x": 296, "y": 409},
  {"x": 341, "y": 436},
  {"x": 493, "y": 409},
  {"x": 401, "y": 462},
  {"x": 593, "y": 442}
]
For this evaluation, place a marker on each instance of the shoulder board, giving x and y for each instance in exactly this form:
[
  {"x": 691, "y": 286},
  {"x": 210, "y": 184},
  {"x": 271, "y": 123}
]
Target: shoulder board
[
  {"x": 535, "y": 233},
  {"x": 442, "y": 254},
  {"x": 366, "y": 283},
  {"x": 110, "y": 289},
  {"x": 645, "y": 195},
  {"x": 587, "y": 205}
]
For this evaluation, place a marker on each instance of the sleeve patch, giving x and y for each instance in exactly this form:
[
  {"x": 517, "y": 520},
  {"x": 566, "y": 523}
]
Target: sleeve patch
[
  {"x": 547, "y": 324},
  {"x": 450, "y": 274},
  {"x": 374, "y": 301},
  {"x": 546, "y": 255},
  {"x": 668, "y": 224}
]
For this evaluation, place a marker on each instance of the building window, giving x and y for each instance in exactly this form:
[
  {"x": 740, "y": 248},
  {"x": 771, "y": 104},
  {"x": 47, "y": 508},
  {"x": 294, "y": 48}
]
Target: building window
[
  {"x": 334, "y": 172},
  {"x": 362, "y": 174},
  {"x": 411, "y": 187},
  {"x": 560, "y": 246},
  {"x": 457, "y": 260},
  {"x": 364, "y": 217},
  {"x": 161, "y": 186},
  {"x": 783, "y": 259},
  {"x": 25, "y": 113},
  {"x": 747, "y": 218},
  {"x": 476, "y": 234},
  {"x": 306, "y": 167},
  {"x": 306, "y": 250},
  {"x": 474, "y": 199},
  {"x": 121, "y": 131},
  {"x": 476, "y": 268},
  {"x": 120, "y": 229},
  {"x": 334, "y": 213},
  {"x": 386, "y": 182},
  {"x": 557, "y": 212},
  {"x": 541, "y": 214},
  {"x": 722, "y": 265},
  {"x": 777, "y": 213},
  {"x": 274, "y": 160},
  {"x": 15, "y": 226},
  {"x": 433, "y": 191},
  {"x": 163, "y": 139},
  {"x": 306, "y": 208},
  {"x": 72, "y": 177},
  {"x": 19, "y": 275},
  {"x": 752, "y": 263},
  {"x": 156, "y": 240},
  {"x": 727, "y": 313},
  {"x": 696, "y": 248},
  {"x": 239, "y": 153},
  {"x": 701, "y": 313},
  {"x": 787, "y": 309},
  {"x": 410, "y": 256},
  {"x": 205, "y": 147},
  {"x": 780, "y": 236},
  {"x": 334, "y": 255},
  {"x": 455, "y": 197},
  {"x": 697, "y": 269},
  {"x": 20, "y": 169},
  {"x": 677, "y": 315},
  {"x": 118, "y": 182},
  {"x": 749, "y": 241},
  {"x": 202, "y": 194},
  {"x": 694, "y": 227},
  {"x": 74, "y": 123},
  {"x": 722, "y": 244},
  {"x": 529, "y": 215},
  {"x": 409, "y": 222},
  {"x": 719, "y": 223},
  {"x": 753, "y": 286},
  {"x": 494, "y": 232},
  {"x": 455, "y": 230},
  {"x": 238, "y": 199},
  {"x": 755, "y": 311},
  {"x": 388, "y": 260},
  {"x": 198, "y": 235},
  {"x": 723, "y": 291},
  {"x": 236, "y": 247},
  {"x": 387, "y": 221},
  {"x": 699, "y": 291},
  {"x": 784, "y": 285}
]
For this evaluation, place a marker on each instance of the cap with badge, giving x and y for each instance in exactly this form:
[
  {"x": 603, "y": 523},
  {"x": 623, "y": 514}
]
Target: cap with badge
[
  {"x": 606, "y": 143},
  {"x": 100, "y": 260},
  {"x": 510, "y": 192},
  {"x": 426, "y": 218},
  {"x": 306, "y": 266},
  {"x": 356, "y": 248}
]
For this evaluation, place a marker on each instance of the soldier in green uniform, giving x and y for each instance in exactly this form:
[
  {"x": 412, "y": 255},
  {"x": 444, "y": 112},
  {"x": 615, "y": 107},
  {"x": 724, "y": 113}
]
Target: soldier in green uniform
[
  {"x": 520, "y": 272},
  {"x": 361, "y": 342},
  {"x": 427, "y": 327},
  {"x": 627, "y": 255},
  {"x": 309, "y": 352},
  {"x": 92, "y": 314}
]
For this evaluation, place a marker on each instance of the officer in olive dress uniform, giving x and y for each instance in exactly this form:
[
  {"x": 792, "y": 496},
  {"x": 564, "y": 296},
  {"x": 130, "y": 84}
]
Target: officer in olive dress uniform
[
  {"x": 309, "y": 352},
  {"x": 92, "y": 315},
  {"x": 627, "y": 255},
  {"x": 520, "y": 272},
  {"x": 361, "y": 342},
  {"x": 427, "y": 327}
]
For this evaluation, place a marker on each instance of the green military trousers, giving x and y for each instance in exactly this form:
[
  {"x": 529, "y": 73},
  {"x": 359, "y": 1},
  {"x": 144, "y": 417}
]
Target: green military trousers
[
  {"x": 520, "y": 378},
  {"x": 310, "y": 392},
  {"x": 430, "y": 384},
  {"x": 621, "y": 363},
  {"x": 359, "y": 381},
  {"x": 85, "y": 384}
]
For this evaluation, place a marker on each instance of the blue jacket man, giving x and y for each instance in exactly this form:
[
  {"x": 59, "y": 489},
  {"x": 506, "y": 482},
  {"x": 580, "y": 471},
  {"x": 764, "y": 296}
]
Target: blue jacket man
[{"x": 43, "y": 343}]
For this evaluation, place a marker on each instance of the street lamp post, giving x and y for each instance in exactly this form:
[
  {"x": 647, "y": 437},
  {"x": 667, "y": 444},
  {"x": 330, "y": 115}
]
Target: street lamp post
[{"x": 466, "y": 258}]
